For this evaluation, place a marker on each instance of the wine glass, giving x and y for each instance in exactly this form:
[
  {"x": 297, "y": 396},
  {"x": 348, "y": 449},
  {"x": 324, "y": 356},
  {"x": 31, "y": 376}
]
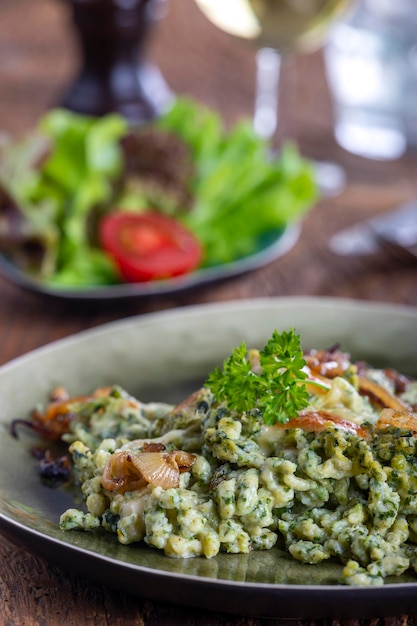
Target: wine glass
[{"x": 278, "y": 27}]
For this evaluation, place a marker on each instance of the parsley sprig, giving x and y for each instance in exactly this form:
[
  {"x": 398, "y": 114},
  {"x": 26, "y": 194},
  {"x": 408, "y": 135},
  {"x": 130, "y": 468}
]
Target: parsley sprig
[{"x": 276, "y": 387}]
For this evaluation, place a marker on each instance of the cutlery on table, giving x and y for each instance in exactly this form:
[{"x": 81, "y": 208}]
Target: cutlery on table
[{"x": 393, "y": 232}]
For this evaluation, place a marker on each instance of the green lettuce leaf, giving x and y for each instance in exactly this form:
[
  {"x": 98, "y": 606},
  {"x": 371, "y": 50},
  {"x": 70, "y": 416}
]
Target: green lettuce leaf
[{"x": 241, "y": 191}]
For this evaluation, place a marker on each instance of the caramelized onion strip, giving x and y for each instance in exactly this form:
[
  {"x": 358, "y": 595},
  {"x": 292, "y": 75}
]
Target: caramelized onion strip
[
  {"x": 317, "y": 421},
  {"x": 55, "y": 420},
  {"x": 128, "y": 471},
  {"x": 380, "y": 396},
  {"x": 399, "y": 419}
]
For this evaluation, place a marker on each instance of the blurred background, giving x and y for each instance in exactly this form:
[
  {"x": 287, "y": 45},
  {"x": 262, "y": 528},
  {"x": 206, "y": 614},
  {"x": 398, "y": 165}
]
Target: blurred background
[
  {"x": 369, "y": 59},
  {"x": 39, "y": 57}
]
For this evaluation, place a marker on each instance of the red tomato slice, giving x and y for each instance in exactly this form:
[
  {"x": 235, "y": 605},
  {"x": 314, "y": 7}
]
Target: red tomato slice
[{"x": 149, "y": 246}]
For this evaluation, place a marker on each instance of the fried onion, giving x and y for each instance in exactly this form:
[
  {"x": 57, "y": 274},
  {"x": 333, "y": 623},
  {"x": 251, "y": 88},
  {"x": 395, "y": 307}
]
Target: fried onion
[{"x": 128, "y": 471}]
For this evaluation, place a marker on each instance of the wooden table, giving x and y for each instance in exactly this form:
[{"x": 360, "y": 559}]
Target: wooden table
[{"x": 37, "y": 59}]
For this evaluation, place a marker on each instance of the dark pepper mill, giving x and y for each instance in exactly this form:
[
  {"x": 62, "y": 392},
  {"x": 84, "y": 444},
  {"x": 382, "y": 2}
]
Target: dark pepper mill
[{"x": 113, "y": 77}]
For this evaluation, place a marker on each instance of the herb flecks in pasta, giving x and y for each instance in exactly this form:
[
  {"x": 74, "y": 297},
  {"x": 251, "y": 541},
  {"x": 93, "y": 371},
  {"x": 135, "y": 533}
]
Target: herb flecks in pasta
[{"x": 310, "y": 451}]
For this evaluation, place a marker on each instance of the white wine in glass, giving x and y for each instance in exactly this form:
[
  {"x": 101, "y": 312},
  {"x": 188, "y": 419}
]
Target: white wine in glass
[
  {"x": 277, "y": 28},
  {"x": 295, "y": 25}
]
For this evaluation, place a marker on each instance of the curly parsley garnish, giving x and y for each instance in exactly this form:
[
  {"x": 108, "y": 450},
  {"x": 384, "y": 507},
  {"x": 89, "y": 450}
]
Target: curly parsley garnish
[{"x": 274, "y": 386}]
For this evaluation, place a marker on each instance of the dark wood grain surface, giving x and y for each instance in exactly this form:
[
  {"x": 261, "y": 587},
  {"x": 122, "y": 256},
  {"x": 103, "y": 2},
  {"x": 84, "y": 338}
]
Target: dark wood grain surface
[{"x": 38, "y": 57}]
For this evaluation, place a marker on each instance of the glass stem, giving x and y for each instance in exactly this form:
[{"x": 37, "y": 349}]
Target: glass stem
[
  {"x": 268, "y": 68},
  {"x": 330, "y": 177}
]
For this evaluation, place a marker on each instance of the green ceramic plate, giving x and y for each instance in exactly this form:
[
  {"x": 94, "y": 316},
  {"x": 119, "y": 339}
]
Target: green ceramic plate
[{"x": 163, "y": 357}]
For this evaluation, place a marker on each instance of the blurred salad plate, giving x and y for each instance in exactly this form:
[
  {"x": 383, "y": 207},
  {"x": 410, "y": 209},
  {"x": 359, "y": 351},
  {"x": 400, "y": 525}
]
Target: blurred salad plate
[
  {"x": 93, "y": 209},
  {"x": 279, "y": 244}
]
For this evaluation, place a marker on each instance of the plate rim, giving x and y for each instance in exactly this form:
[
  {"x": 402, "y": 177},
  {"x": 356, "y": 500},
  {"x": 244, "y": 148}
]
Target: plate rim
[
  {"x": 230, "y": 304},
  {"x": 279, "y": 601}
]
